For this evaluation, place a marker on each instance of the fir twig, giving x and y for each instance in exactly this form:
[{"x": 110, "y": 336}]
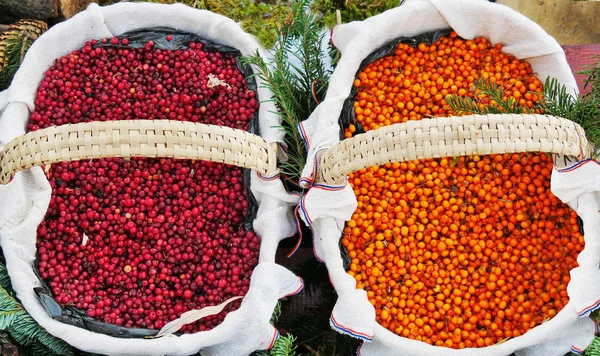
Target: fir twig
[
  {"x": 276, "y": 313},
  {"x": 488, "y": 98},
  {"x": 15, "y": 320},
  {"x": 296, "y": 63},
  {"x": 14, "y": 43},
  {"x": 593, "y": 78},
  {"x": 594, "y": 348},
  {"x": 284, "y": 346},
  {"x": 351, "y": 10},
  {"x": 595, "y": 315},
  {"x": 582, "y": 110}
]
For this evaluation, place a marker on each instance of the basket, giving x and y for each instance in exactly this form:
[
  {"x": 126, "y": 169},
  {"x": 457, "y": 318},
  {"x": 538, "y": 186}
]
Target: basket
[
  {"x": 137, "y": 138},
  {"x": 331, "y": 201},
  {"x": 27, "y": 194},
  {"x": 450, "y": 137}
]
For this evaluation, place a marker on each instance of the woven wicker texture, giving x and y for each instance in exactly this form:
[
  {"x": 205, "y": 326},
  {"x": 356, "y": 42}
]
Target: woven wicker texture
[
  {"x": 449, "y": 137},
  {"x": 136, "y": 138}
]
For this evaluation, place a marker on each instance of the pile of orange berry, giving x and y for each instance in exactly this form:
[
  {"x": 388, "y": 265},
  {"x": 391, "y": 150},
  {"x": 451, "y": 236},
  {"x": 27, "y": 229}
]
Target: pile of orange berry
[{"x": 464, "y": 251}]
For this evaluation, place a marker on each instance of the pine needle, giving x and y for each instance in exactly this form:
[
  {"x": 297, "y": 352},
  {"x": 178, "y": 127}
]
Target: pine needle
[
  {"x": 276, "y": 313},
  {"x": 582, "y": 110},
  {"x": 595, "y": 315},
  {"x": 284, "y": 346},
  {"x": 14, "y": 43},
  {"x": 294, "y": 72},
  {"x": 15, "y": 320},
  {"x": 487, "y": 99},
  {"x": 594, "y": 348},
  {"x": 555, "y": 100},
  {"x": 593, "y": 77},
  {"x": 351, "y": 10}
]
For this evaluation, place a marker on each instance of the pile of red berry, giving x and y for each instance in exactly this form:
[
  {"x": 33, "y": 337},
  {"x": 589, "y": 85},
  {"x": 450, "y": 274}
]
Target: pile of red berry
[{"x": 138, "y": 242}]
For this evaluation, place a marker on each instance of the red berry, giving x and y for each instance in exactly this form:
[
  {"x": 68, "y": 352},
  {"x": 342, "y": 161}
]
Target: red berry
[{"x": 164, "y": 236}]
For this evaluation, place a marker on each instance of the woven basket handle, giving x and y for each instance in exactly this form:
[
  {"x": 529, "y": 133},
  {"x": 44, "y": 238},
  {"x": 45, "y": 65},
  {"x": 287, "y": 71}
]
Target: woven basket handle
[
  {"x": 137, "y": 138},
  {"x": 452, "y": 136}
]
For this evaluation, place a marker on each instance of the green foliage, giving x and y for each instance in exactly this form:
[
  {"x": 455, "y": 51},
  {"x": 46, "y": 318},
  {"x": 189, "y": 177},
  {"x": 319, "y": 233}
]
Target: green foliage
[
  {"x": 490, "y": 95},
  {"x": 4, "y": 278},
  {"x": 14, "y": 43},
  {"x": 276, "y": 313},
  {"x": 595, "y": 315},
  {"x": 583, "y": 110},
  {"x": 284, "y": 346},
  {"x": 351, "y": 10},
  {"x": 294, "y": 72},
  {"x": 21, "y": 326},
  {"x": 555, "y": 100},
  {"x": 13, "y": 52},
  {"x": 257, "y": 17},
  {"x": 334, "y": 55},
  {"x": 593, "y": 78},
  {"x": 594, "y": 348}
]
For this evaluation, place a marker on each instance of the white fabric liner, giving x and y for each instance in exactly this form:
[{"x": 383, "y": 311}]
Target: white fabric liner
[
  {"x": 25, "y": 200},
  {"x": 328, "y": 208}
]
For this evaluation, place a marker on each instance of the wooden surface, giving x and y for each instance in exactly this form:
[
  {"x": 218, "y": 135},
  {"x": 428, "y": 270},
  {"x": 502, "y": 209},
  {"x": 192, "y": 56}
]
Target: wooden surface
[
  {"x": 580, "y": 57},
  {"x": 570, "y": 22}
]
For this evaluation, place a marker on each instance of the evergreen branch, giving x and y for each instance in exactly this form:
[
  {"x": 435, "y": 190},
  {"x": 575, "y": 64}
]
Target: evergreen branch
[
  {"x": 26, "y": 331},
  {"x": 494, "y": 95},
  {"x": 284, "y": 346},
  {"x": 555, "y": 100},
  {"x": 273, "y": 81},
  {"x": 276, "y": 313},
  {"x": 14, "y": 43},
  {"x": 463, "y": 105},
  {"x": 296, "y": 63},
  {"x": 594, "y": 348},
  {"x": 308, "y": 34},
  {"x": 15, "y": 320},
  {"x": 593, "y": 78},
  {"x": 488, "y": 98},
  {"x": 582, "y": 110},
  {"x": 4, "y": 278},
  {"x": 595, "y": 315},
  {"x": 7, "y": 318}
]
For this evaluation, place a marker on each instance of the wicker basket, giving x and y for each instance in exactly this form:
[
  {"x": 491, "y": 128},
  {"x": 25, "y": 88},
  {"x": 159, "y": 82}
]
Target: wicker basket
[
  {"x": 137, "y": 138},
  {"x": 452, "y": 136}
]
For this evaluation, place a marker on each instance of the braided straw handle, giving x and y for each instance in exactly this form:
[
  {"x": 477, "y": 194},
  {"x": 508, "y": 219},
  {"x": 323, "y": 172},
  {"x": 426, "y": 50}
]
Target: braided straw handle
[
  {"x": 452, "y": 136},
  {"x": 137, "y": 138}
]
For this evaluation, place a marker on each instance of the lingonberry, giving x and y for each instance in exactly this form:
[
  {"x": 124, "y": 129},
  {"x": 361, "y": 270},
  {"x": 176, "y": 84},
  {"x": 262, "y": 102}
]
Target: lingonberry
[{"x": 137, "y": 242}]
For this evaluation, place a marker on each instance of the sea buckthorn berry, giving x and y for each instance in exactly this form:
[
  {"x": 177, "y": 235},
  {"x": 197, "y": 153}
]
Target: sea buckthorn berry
[{"x": 482, "y": 249}]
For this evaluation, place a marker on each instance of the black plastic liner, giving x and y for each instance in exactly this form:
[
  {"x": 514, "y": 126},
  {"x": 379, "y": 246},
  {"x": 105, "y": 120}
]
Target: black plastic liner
[{"x": 138, "y": 39}]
